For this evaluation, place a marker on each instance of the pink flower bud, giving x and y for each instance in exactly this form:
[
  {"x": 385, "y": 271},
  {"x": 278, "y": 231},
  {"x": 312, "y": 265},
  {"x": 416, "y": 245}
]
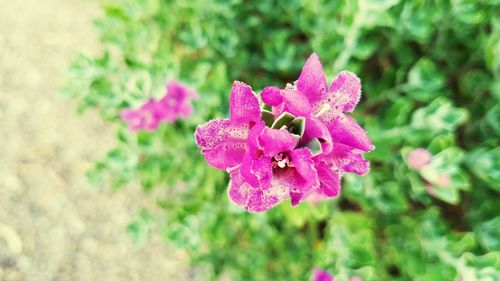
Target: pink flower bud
[
  {"x": 418, "y": 158},
  {"x": 444, "y": 180}
]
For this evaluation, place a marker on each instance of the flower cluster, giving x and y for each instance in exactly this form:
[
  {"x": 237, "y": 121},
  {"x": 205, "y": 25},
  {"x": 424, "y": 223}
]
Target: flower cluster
[
  {"x": 173, "y": 105},
  {"x": 299, "y": 143}
]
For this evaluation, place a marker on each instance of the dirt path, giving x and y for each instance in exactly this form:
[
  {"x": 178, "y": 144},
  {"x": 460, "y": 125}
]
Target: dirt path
[{"x": 53, "y": 225}]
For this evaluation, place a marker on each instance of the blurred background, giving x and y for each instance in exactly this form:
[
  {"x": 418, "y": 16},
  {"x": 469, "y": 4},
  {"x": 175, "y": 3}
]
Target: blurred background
[
  {"x": 53, "y": 224},
  {"x": 85, "y": 199}
]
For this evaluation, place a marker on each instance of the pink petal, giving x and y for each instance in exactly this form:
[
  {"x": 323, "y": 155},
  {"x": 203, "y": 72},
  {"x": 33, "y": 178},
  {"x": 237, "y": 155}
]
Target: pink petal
[
  {"x": 329, "y": 179},
  {"x": 244, "y": 106},
  {"x": 176, "y": 102},
  {"x": 260, "y": 201},
  {"x": 222, "y": 143},
  {"x": 271, "y": 96},
  {"x": 316, "y": 129},
  {"x": 257, "y": 171},
  {"x": 346, "y": 130},
  {"x": 254, "y": 199},
  {"x": 212, "y": 134},
  {"x": 254, "y": 168},
  {"x": 345, "y": 91},
  {"x": 176, "y": 91},
  {"x": 152, "y": 125},
  {"x": 307, "y": 177},
  {"x": 147, "y": 117},
  {"x": 296, "y": 103},
  {"x": 132, "y": 118},
  {"x": 269, "y": 197},
  {"x": 274, "y": 141},
  {"x": 128, "y": 114},
  {"x": 321, "y": 275},
  {"x": 187, "y": 91},
  {"x": 186, "y": 110},
  {"x": 246, "y": 170},
  {"x": 253, "y": 138},
  {"x": 312, "y": 80},
  {"x": 238, "y": 190},
  {"x": 349, "y": 160},
  {"x": 278, "y": 109},
  {"x": 304, "y": 165}
]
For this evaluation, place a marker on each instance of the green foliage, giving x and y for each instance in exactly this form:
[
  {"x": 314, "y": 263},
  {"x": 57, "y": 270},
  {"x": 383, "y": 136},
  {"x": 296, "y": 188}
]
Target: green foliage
[{"x": 430, "y": 72}]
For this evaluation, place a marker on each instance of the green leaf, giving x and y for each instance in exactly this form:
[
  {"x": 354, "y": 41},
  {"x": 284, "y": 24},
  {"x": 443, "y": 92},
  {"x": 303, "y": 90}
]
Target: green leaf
[
  {"x": 283, "y": 120},
  {"x": 267, "y": 117},
  {"x": 425, "y": 80},
  {"x": 485, "y": 164},
  {"x": 439, "y": 116},
  {"x": 297, "y": 126},
  {"x": 314, "y": 146},
  {"x": 489, "y": 233},
  {"x": 492, "y": 121}
]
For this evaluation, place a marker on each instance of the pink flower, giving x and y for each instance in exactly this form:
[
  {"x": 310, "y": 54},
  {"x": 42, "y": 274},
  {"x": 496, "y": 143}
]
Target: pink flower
[
  {"x": 173, "y": 105},
  {"x": 322, "y": 275},
  {"x": 147, "y": 117},
  {"x": 300, "y": 142},
  {"x": 176, "y": 102},
  {"x": 418, "y": 158}
]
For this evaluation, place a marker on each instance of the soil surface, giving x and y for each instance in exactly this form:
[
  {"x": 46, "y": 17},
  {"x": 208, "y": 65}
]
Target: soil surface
[{"x": 53, "y": 224}]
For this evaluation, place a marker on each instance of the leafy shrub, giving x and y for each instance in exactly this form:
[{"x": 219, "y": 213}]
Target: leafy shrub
[{"x": 430, "y": 72}]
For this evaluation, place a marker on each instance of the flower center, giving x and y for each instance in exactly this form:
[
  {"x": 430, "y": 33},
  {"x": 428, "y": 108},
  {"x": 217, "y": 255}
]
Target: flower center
[{"x": 281, "y": 161}]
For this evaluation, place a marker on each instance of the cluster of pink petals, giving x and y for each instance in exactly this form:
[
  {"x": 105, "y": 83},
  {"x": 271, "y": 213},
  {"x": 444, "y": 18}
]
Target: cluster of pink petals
[
  {"x": 174, "y": 105},
  {"x": 300, "y": 143},
  {"x": 322, "y": 275}
]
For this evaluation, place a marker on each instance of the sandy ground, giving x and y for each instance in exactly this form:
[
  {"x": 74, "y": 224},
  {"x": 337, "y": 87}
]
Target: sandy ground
[{"x": 53, "y": 225}]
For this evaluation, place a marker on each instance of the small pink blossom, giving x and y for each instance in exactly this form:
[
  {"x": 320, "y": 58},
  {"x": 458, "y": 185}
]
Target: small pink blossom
[
  {"x": 173, "y": 105},
  {"x": 443, "y": 181},
  {"x": 147, "y": 117},
  {"x": 418, "y": 158},
  {"x": 299, "y": 143},
  {"x": 322, "y": 275},
  {"x": 176, "y": 102}
]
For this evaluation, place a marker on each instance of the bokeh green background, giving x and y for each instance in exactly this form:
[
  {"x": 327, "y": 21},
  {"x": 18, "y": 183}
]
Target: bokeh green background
[{"x": 430, "y": 72}]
